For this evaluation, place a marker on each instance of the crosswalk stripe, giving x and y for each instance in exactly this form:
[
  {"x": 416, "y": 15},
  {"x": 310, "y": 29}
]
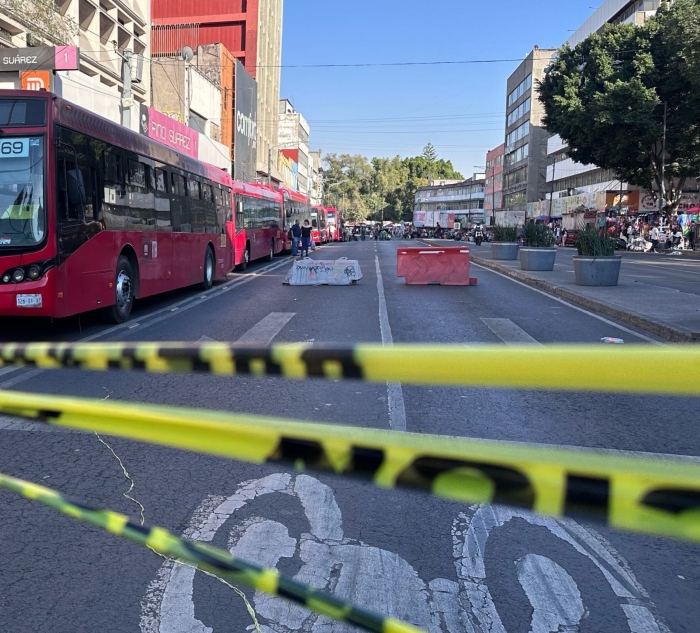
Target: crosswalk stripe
[{"x": 510, "y": 333}]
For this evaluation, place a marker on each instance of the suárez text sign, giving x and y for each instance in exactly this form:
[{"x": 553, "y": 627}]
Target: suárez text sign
[
  {"x": 170, "y": 132},
  {"x": 40, "y": 58}
]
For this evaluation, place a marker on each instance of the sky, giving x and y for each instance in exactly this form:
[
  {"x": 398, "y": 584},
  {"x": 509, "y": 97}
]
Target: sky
[{"x": 388, "y": 111}]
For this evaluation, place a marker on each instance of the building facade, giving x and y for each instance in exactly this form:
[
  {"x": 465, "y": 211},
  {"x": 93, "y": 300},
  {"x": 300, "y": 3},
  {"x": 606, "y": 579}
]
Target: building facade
[
  {"x": 450, "y": 202},
  {"x": 493, "y": 188},
  {"x": 576, "y": 191},
  {"x": 525, "y": 153},
  {"x": 251, "y": 30},
  {"x": 293, "y": 143},
  {"x": 193, "y": 97},
  {"x": 102, "y": 30}
]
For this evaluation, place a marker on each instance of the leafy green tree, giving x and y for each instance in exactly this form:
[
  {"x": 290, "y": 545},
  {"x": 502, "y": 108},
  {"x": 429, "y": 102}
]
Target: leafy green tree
[
  {"x": 429, "y": 153},
  {"x": 607, "y": 98},
  {"x": 383, "y": 188}
]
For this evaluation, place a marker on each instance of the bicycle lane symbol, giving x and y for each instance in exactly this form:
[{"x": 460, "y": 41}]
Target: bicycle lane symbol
[{"x": 358, "y": 571}]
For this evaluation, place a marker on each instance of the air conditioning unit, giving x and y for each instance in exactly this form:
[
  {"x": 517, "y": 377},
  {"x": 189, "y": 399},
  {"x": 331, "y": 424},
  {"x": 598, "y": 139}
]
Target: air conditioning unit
[{"x": 136, "y": 64}]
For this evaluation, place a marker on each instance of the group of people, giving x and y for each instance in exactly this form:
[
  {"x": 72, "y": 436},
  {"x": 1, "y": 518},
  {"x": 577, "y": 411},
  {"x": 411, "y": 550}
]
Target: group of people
[
  {"x": 301, "y": 238},
  {"x": 671, "y": 235}
]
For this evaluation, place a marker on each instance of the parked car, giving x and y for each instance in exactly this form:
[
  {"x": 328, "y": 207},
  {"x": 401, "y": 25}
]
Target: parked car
[{"x": 571, "y": 237}]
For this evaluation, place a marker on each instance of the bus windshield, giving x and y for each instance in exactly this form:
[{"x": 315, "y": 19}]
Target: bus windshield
[{"x": 22, "y": 206}]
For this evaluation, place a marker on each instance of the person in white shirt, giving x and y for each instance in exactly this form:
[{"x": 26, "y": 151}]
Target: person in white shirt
[{"x": 654, "y": 238}]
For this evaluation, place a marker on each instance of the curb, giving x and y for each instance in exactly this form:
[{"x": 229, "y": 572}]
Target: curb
[{"x": 676, "y": 335}]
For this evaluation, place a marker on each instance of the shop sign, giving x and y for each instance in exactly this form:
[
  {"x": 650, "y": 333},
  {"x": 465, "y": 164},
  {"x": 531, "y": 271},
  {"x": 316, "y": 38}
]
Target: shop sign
[
  {"x": 689, "y": 199},
  {"x": 170, "y": 132}
]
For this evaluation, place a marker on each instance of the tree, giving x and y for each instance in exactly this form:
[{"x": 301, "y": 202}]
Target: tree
[
  {"x": 429, "y": 153},
  {"x": 384, "y": 188},
  {"x": 42, "y": 20},
  {"x": 607, "y": 98}
]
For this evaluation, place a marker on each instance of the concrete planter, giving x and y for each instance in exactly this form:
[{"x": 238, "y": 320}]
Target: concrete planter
[
  {"x": 504, "y": 250},
  {"x": 537, "y": 258},
  {"x": 597, "y": 271}
]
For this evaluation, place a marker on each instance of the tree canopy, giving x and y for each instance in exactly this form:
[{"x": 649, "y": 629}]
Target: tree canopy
[
  {"x": 607, "y": 98},
  {"x": 429, "y": 153},
  {"x": 380, "y": 188}
]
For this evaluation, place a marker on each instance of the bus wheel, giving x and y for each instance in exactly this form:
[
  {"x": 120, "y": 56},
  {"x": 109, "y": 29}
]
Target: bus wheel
[
  {"x": 246, "y": 259},
  {"x": 208, "y": 280},
  {"x": 271, "y": 254},
  {"x": 123, "y": 292}
]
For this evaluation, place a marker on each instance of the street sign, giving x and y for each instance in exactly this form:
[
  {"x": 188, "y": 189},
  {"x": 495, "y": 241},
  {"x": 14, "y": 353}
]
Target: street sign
[
  {"x": 37, "y": 80},
  {"x": 39, "y": 58}
]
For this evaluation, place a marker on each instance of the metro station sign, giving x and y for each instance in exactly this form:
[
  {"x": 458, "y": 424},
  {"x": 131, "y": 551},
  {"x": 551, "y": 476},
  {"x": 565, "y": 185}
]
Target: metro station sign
[{"x": 39, "y": 58}]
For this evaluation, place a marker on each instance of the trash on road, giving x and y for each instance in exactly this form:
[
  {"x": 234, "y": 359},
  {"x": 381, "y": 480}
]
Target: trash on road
[
  {"x": 315, "y": 272},
  {"x": 610, "y": 339}
]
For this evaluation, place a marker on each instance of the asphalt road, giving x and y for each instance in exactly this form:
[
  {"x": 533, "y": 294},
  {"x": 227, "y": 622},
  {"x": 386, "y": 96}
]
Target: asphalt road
[{"x": 440, "y": 565}]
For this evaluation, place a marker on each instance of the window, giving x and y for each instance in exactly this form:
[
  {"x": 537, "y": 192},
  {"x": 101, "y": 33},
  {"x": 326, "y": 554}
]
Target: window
[
  {"x": 160, "y": 180},
  {"x": 512, "y": 199},
  {"x": 208, "y": 193},
  {"x": 111, "y": 168},
  {"x": 137, "y": 174},
  {"x": 522, "y": 88},
  {"x": 519, "y": 112},
  {"x": 518, "y": 133},
  {"x": 197, "y": 122},
  {"x": 193, "y": 190},
  {"x": 179, "y": 187},
  {"x": 519, "y": 154},
  {"x": 516, "y": 177}
]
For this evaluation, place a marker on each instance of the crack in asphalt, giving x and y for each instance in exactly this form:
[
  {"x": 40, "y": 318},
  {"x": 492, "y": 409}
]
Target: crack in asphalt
[{"x": 174, "y": 561}]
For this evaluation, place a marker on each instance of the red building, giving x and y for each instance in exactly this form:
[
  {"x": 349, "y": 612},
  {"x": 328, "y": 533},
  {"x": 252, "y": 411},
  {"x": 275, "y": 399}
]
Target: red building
[
  {"x": 178, "y": 23},
  {"x": 493, "y": 191}
]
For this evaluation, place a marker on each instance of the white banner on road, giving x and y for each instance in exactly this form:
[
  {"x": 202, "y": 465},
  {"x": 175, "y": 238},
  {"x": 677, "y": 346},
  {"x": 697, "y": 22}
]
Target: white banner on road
[{"x": 314, "y": 272}]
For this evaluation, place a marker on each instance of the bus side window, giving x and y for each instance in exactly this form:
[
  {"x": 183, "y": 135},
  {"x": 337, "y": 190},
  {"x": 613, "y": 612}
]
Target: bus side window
[
  {"x": 71, "y": 190},
  {"x": 161, "y": 181}
]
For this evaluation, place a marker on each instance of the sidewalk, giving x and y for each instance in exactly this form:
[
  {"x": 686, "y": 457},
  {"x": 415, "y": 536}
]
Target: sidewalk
[{"x": 655, "y": 293}]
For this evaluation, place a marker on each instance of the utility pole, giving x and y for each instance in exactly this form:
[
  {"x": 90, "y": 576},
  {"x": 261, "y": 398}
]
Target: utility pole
[
  {"x": 269, "y": 166},
  {"x": 127, "y": 94}
]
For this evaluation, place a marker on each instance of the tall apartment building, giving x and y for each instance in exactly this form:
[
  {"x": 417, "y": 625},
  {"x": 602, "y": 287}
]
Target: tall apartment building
[
  {"x": 98, "y": 28},
  {"x": 493, "y": 190},
  {"x": 250, "y": 29},
  {"x": 524, "y": 171},
  {"x": 293, "y": 143}
]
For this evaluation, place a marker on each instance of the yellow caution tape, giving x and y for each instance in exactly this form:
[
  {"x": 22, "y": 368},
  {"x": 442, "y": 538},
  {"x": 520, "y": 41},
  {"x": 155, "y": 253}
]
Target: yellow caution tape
[
  {"x": 216, "y": 561},
  {"x": 635, "y": 369},
  {"x": 638, "y": 494}
]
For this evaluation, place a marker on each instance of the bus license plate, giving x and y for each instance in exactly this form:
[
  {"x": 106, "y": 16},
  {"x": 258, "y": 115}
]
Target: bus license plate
[{"x": 28, "y": 301}]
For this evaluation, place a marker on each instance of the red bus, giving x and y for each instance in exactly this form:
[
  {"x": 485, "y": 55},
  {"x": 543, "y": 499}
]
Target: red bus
[
  {"x": 319, "y": 227},
  {"x": 296, "y": 207},
  {"x": 335, "y": 224},
  {"x": 259, "y": 229},
  {"x": 93, "y": 215}
]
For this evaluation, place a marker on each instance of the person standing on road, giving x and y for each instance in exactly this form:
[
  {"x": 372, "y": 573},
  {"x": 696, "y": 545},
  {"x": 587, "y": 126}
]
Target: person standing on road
[
  {"x": 654, "y": 238},
  {"x": 296, "y": 237},
  {"x": 305, "y": 238}
]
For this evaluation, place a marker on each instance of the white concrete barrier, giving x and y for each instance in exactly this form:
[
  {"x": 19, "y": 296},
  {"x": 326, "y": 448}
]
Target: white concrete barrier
[{"x": 315, "y": 272}]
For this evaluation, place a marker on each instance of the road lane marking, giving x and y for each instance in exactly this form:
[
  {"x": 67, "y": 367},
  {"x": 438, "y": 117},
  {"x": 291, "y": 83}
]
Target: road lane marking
[
  {"x": 263, "y": 332},
  {"x": 510, "y": 333},
  {"x": 622, "y": 328},
  {"x": 166, "y": 313},
  {"x": 397, "y": 408}
]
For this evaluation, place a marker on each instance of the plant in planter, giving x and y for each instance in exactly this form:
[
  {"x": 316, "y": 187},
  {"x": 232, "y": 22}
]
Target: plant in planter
[
  {"x": 505, "y": 242},
  {"x": 538, "y": 251},
  {"x": 596, "y": 264}
]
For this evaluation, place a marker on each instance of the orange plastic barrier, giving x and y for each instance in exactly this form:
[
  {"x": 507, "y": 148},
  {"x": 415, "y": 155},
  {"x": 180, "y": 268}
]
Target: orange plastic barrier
[{"x": 444, "y": 266}]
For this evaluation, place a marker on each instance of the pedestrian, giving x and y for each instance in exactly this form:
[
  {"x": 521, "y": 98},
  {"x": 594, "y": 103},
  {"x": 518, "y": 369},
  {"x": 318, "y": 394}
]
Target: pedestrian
[
  {"x": 305, "y": 238},
  {"x": 654, "y": 238},
  {"x": 296, "y": 237},
  {"x": 564, "y": 233}
]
